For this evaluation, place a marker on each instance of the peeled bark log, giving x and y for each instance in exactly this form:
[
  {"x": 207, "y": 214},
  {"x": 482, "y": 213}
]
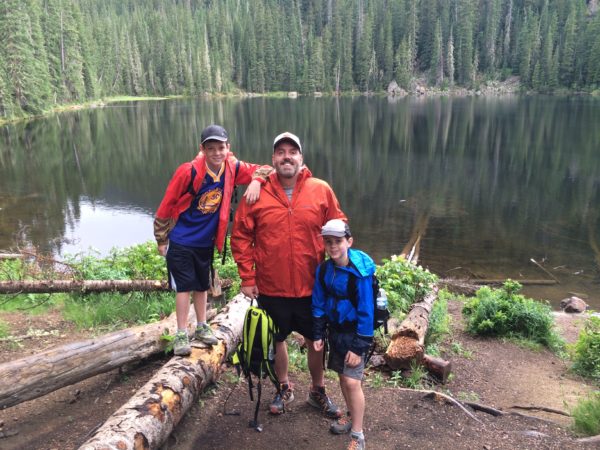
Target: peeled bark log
[
  {"x": 86, "y": 286},
  {"x": 408, "y": 341},
  {"x": 42, "y": 373},
  {"x": 148, "y": 418},
  {"x": 11, "y": 256}
]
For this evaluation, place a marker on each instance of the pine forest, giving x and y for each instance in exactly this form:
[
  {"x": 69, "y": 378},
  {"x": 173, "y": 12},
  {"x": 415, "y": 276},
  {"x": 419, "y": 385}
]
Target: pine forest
[{"x": 57, "y": 52}]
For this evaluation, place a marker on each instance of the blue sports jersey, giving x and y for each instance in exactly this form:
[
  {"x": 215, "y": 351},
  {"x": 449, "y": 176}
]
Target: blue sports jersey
[{"x": 197, "y": 226}]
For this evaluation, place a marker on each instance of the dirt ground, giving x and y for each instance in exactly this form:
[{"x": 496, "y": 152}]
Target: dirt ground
[{"x": 485, "y": 371}]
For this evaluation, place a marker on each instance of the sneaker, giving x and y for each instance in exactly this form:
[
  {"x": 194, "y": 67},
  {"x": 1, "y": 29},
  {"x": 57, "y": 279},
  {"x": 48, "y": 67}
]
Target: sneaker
[
  {"x": 342, "y": 425},
  {"x": 181, "y": 344},
  {"x": 204, "y": 333},
  {"x": 356, "y": 443},
  {"x": 282, "y": 398},
  {"x": 319, "y": 400}
]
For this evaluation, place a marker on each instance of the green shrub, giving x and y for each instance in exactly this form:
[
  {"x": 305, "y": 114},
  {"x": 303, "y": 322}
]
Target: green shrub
[
  {"x": 439, "y": 319},
  {"x": 404, "y": 283},
  {"x": 4, "y": 329},
  {"x": 586, "y": 358},
  {"x": 504, "y": 312},
  {"x": 586, "y": 416}
]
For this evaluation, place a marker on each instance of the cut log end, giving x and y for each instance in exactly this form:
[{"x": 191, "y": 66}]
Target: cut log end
[{"x": 402, "y": 351}]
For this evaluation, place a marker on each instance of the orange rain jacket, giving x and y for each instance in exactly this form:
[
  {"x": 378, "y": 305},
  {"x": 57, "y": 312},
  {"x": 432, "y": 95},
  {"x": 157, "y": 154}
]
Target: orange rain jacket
[
  {"x": 177, "y": 199},
  {"x": 276, "y": 243}
]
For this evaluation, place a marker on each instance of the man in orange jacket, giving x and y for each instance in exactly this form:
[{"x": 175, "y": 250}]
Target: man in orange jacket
[{"x": 277, "y": 246}]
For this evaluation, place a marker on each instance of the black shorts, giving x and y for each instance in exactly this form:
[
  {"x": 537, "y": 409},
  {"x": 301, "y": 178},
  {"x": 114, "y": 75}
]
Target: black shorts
[
  {"x": 289, "y": 314},
  {"x": 188, "y": 267}
]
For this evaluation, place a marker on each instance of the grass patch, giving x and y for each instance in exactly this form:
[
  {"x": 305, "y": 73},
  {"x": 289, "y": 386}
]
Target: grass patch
[
  {"x": 4, "y": 329},
  {"x": 586, "y": 351},
  {"x": 586, "y": 416},
  {"x": 505, "y": 313},
  {"x": 109, "y": 310}
]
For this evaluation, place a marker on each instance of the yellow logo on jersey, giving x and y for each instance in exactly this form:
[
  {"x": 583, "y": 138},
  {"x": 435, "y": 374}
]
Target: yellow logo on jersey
[{"x": 209, "y": 201}]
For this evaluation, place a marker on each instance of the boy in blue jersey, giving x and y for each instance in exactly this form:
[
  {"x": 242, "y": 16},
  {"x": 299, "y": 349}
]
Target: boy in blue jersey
[
  {"x": 192, "y": 219},
  {"x": 348, "y": 318}
]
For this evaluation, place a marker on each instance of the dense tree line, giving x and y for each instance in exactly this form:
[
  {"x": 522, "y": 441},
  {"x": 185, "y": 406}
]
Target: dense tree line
[{"x": 64, "y": 51}]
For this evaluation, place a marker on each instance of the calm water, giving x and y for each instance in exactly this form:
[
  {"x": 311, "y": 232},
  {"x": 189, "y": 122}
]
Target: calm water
[{"x": 496, "y": 181}]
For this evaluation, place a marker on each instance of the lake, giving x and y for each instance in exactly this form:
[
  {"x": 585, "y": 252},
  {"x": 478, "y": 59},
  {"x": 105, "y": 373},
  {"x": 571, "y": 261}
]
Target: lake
[{"x": 493, "y": 182}]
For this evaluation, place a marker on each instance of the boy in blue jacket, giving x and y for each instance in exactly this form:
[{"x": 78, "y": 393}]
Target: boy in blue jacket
[{"x": 343, "y": 304}]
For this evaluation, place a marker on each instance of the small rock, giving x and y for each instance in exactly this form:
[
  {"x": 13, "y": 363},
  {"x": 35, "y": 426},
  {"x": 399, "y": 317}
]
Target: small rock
[{"x": 573, "y": 305}]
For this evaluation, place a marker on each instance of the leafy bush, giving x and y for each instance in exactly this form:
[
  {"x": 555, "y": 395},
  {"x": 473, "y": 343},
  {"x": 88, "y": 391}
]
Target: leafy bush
[
  {"x": 586, "y": 416},
  {"x": 586, "y": 358},
  {"x": 403, "y": 282},
  {"x": 504, "y": 312}
]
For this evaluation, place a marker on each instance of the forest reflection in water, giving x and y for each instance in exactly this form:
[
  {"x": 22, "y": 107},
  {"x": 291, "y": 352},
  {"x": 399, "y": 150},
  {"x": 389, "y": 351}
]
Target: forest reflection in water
[{"x": 500, "y": 180}]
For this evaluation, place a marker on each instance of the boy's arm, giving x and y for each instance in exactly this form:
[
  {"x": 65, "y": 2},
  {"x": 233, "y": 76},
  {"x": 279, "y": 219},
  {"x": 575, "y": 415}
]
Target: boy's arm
[
  {"x": 364, "y": 313},
  {"x": 248, "y": 172},
  {"x": 242, "y": 244},
  {"x": 318, "y": 308},
  {"x": 163, "y": 220},
  {"x": 254, "y": 175}
]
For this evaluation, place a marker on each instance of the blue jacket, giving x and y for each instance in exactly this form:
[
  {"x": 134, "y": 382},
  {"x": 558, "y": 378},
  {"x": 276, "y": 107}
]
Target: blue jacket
[{"x": 326, "y": 308}]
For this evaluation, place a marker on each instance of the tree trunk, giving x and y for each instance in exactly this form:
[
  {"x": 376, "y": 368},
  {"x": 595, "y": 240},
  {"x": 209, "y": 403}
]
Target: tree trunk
[
  {"x": 147, "y": 419},
  {"x": 86, "y": 286},
  {"x": 42, "y": 373},
  {"x": 408, "y": 341}
]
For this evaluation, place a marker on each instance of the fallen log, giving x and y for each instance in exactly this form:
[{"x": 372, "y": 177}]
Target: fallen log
[
  {"x": 469, "y": 286},
  {"x": 407, "y": 343},
  {"x": 411, "y": 250},
  {"x": 42, "y": 373},
  {"x": 11, "y": 256},
  {"x": 87, "y": 286},
  {"x": 147, "y": 419}
]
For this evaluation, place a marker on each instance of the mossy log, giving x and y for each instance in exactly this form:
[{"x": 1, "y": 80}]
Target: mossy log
[
  {"x": 147, "y": 419},
  {"x": 36, "y": 375}
]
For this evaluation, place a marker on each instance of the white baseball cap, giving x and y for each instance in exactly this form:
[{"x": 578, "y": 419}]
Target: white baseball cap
[
  {"x": 287, "y": 136},
  {"x": 337, "y": 228}
]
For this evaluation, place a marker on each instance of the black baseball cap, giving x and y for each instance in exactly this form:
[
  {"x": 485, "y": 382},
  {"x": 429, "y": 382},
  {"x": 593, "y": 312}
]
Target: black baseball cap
[{"x": 214, "y": 133}]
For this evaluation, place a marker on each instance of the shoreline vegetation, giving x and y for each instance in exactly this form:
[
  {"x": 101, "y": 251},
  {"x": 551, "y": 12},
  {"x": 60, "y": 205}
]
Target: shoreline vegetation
[{"x": 418, "y": 88}]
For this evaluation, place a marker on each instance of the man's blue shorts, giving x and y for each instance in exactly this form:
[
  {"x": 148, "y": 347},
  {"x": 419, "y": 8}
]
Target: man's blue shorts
[{"x": 189, "y": 267}]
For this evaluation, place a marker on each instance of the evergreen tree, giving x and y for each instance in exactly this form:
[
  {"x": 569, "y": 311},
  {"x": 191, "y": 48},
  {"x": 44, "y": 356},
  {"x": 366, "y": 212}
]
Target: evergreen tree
[
  {"x": 6, "y": 95},
  {"x": 436, "y": 66},
  {"x": 24, "y": 75},
  {"x": 567, "y": 52}
]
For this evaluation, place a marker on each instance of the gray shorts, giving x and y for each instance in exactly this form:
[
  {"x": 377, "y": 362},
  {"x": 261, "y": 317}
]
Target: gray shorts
[{"x": 337, "y": 364}]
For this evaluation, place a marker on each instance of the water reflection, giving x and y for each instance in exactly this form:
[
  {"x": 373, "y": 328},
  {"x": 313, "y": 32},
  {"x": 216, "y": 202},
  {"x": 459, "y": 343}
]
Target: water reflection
[{"x": 500, "y": 180}]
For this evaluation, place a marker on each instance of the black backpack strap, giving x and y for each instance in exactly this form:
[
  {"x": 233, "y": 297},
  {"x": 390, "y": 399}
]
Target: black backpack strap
[
  {"x": 233, "y": 199},
  {"x": 190, "y": 189}
]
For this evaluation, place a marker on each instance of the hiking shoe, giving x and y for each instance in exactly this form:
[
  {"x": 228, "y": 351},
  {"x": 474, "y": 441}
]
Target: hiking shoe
[
  {"x": 342, "y": 425},
  {"x": 282, "y": 398},
  {"x": 181, "y": 344},
  {"x": 319, "y": 400},
  {"x": 356, "y": 443},
  {"x": 205, "y": 334}
]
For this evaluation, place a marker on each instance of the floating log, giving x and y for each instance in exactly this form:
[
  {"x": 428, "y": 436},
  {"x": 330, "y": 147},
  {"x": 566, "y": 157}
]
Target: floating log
[
  {"x": 147, "y": 419},
  {"x": 407, "y": 343},
  {"x": 411, "y": 250},
  {"x": 86, "y": 286},
  {"x": 42, "y": 373},
  {"x": 471, "y": 286}
]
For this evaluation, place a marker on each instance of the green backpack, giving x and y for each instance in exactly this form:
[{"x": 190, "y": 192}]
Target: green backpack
[{"x": 255, "y": 355}]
